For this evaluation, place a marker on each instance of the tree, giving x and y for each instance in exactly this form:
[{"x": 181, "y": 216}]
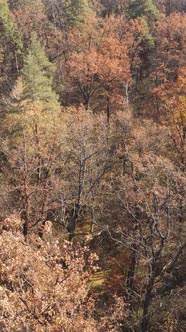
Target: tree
[
  {"x": 76, "y": 11},
  {"x": 139, "y": 8},
  {"x": 37, "y": 77},
  {"x": 170, "y": 45},
  {"x": 148, "y": 207},
  {"x": 165, "y": 61},
  {"x": 47, "y": 287},
  {"x": 35, "y": 108},
  {"x": 10, "y": 50},
  {"x": 113, "y": 7},
  {"x": 30, "y": 17},
  {"x": 101, "y": 69},
  {"x": 172, "y": 104},
  {"x": 8, "y": 24},
  {"x": 107, "y": 168},
  {"x": 146, "y": 11},
  {"x": 68, "y": 14}
]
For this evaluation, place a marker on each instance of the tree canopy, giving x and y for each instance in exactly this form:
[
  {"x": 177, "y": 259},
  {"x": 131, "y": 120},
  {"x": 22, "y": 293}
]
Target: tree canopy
[{"x": 92, "y": 165}]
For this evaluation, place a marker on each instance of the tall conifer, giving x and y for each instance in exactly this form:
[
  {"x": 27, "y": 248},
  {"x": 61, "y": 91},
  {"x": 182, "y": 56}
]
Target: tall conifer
[
  {"x": 38, "y": 75},
  {"x": 139, "y": 8}
]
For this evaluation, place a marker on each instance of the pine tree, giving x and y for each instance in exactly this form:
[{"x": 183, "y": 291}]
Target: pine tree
[
  {"x": 10, "y": 49},
  {"x": 76, "y": 11},
  {"x": 37, "y": 77},
  {"x": 140, "y": 8},
  {"x": 147, "y": 11},
  {"x": 7, "y": 27}
]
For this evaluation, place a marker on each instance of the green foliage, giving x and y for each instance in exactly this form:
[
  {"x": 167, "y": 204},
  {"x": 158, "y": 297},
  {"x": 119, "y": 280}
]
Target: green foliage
[
  {"x": 76, "y": 11},
  {"x": 67, "y": 14},
  {"x": 38, "y": 76},
  {"x": 8, "y": 28},
  {"x": 147, "y": 35},
  {"x": 10, "y": 49},
  {"x": 139, "y": 8},
  {"x": 110, "y": 7}
]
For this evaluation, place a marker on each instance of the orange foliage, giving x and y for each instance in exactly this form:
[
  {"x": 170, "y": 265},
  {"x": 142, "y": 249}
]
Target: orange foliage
[
  {"x": 102, "y": 68},
  {"x": 45, "y": 284}
]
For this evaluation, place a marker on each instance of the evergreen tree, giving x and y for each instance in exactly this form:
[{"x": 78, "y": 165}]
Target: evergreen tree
[
  {"x": 10, "y": 49},
  {"x": 38, "y": 77},
  {"x": 8, "y": 28},
  {"x": 139, "y": 8},
  {"x": 147, "y": 11},
  {"x": 110, "y": 7},
  {"x": 68, "y": 13},
  {"x": 76, "y": 11}
]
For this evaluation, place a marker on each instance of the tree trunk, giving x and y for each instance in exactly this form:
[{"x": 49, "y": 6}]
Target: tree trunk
[
  {"x": 108, "y": 110},
  {"x": 131, "y": 272},
  {"x": 146, "y": 304},
  {"x": 72, "y": 224}
]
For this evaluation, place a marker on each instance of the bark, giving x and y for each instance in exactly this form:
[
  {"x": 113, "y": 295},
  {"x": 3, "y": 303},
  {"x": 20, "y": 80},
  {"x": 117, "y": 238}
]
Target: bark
[
  {"x": 147, "y": 302},
  {"x": 131, "y": 272}
]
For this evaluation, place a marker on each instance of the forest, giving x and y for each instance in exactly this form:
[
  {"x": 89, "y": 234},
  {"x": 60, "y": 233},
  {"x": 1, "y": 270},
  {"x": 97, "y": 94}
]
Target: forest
[{"x": 92, "y": 165}]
